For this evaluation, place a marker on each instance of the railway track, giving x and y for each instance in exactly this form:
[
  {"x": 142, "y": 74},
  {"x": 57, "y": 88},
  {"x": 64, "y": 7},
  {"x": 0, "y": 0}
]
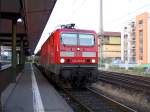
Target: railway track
[
  {"x": 92, "y": 101},
  {"x": 133, "y": 82}
]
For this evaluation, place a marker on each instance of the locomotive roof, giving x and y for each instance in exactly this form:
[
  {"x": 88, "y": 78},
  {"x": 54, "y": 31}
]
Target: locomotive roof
[
  {"x": 71, "y": 30},
  {"x": 75, "y": 30}
]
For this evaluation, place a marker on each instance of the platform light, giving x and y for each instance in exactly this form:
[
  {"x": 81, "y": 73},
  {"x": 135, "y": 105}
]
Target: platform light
[{"x": 19, "y": 20}]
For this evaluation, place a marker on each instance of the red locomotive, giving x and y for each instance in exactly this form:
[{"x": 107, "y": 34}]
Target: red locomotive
[{"x": 71, "y": 55}]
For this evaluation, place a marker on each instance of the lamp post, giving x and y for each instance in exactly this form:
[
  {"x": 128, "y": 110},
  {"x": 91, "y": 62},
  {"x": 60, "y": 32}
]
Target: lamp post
[{"x": 101, "y": 33}]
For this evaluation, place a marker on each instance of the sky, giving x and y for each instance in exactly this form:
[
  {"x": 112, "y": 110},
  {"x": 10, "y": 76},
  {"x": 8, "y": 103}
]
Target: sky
[{"x": 86, "y": 15}]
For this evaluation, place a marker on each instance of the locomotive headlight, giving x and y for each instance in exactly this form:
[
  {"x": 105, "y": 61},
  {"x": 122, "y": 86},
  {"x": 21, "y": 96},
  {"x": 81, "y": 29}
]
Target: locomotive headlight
[
  {"x": 93, "y": 60},
  {"x": 62, "y": 60}
]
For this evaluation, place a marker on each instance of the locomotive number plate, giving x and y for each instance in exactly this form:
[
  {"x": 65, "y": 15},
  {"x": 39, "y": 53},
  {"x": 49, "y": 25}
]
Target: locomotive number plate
[{"x": 78, "y": 61}]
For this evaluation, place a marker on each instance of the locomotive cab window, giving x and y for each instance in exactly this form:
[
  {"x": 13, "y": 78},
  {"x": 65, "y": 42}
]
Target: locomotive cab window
[
  {"x": 69, "y": 39},
  {"x": 77, "y": 39},
  {"x": 86, "y": 40}
]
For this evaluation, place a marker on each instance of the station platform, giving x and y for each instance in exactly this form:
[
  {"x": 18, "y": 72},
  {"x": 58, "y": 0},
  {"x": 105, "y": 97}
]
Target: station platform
[{"x": 33, "y": 93}]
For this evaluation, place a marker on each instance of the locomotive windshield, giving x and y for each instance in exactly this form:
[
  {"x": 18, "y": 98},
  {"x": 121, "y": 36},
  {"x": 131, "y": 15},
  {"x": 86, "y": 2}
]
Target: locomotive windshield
[
  {"x": 77, "y": 39},
  {"x": 86, "y": 39},
  {"x": 69, "y": 39}
]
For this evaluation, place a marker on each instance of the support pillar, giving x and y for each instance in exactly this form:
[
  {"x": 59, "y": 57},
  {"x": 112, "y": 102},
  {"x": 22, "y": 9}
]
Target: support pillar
[
  {"x": 0, "y": 52},
  {"x": 21, "y": 52},
  {"x": 14, "y": 55},
  {"x": 18, "y": 57}
]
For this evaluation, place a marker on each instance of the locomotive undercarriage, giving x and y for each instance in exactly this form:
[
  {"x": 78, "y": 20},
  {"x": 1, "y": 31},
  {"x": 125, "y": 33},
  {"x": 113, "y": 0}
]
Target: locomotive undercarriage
[
  {"x": 75, "y": 76},
  {"x": 79, "y": 75}
]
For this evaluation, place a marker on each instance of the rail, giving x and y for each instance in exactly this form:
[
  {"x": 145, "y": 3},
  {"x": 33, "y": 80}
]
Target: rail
[
  {"x": 5, "y": 66},
  {"x": 112, "y": 102},
  {"x": 88, "y": 100},
  {"x": 92, "y": 101},
  {"x": 134, "y": 82}
]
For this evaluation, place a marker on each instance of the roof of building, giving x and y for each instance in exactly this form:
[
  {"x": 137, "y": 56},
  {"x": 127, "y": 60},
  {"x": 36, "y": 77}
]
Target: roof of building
[{"x": 116, "y": 34}]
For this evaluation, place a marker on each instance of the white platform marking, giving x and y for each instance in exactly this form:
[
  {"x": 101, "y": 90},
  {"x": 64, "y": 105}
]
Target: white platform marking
[{"x": 37, "y": 102}]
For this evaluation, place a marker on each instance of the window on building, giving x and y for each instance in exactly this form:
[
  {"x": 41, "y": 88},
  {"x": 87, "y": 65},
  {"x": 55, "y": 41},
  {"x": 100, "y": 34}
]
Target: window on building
[
  {"x": 125, "y": 27},
  {"x": 133, "y": 24},
  {"x": 106, "y": 40},
  {"x": 140, "y": 23},
  {"x": 141, "y": 45},
  {"x": 133, "y": 60},
  {"x": 133, "y": 39},
  {"x": 125, "y": 58},
  {"x": 141, "y": 57},
  {"x": 125, "y": 44},
  {"x": 133, "y": 51},
  {"x": 125, "y": 35},
  {"x": 133, "y": 42}
]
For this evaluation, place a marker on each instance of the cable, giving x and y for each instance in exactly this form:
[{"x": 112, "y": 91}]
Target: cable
[
  {"x": 147, "y": 5},
  {"x": 78, "y": 7}
]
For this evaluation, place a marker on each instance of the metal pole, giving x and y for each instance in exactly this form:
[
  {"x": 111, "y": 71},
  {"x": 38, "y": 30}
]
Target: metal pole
[
  {"x": 101, "y": 33},
  {"x": 14, "y": 55}
]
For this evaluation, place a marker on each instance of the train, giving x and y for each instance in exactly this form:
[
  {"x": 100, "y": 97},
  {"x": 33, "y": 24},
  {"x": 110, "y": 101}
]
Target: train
[{"x": 70, "y": 55}]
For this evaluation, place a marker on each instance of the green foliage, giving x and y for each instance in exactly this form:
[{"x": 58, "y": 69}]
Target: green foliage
[{"x": 133, "y": 70}]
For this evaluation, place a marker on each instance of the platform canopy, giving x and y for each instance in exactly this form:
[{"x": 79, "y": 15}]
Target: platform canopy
[{"x": 34, "y": 13}]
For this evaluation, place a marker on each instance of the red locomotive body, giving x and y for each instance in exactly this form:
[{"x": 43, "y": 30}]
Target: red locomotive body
[{"x": 71, "y": 54}]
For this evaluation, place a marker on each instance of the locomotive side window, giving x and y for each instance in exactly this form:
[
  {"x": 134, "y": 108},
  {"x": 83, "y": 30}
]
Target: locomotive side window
[
  {"x": 86, "y": 40},
  {"x": 69, "y": 39}
]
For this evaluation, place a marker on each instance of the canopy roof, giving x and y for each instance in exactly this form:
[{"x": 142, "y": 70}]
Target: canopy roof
[{"x": 34, "y": 13}]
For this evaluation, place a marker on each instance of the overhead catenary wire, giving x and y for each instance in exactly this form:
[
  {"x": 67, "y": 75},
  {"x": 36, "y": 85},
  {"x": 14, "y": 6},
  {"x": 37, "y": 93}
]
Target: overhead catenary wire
[{"x": 130, "y": 13}]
